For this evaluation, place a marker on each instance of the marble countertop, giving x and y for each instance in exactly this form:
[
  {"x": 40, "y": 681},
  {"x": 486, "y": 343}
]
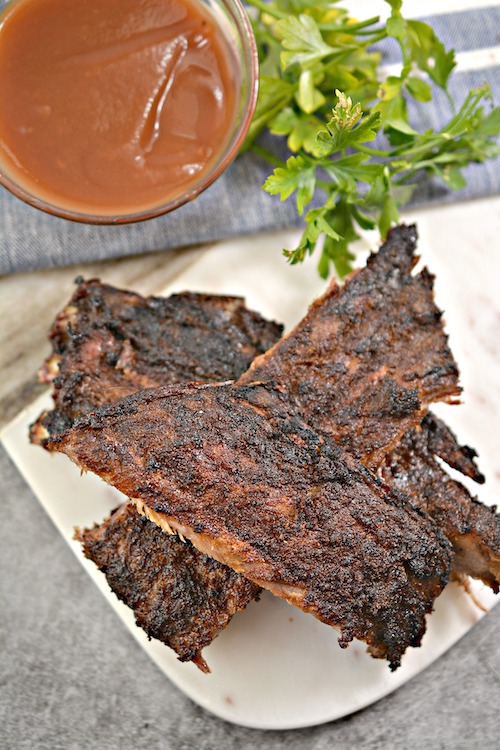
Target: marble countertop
[{"x": 72, "y": 676}]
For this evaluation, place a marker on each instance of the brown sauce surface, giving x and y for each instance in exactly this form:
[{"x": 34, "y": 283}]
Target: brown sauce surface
[{"x": 113, "y": 106}]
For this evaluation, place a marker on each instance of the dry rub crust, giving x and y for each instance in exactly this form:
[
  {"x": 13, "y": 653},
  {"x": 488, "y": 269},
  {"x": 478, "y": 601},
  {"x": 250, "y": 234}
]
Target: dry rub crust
[
  {"x": 247, "y": 481},
  {"x": 472, "y": 528},
  {"x": 178, "y": 595},
  {"x": 395, "y": 260},
  {"x": 370, "y": 356},
  {"x": 108, "y": 343},
  {"x": 363, "y": 366}
]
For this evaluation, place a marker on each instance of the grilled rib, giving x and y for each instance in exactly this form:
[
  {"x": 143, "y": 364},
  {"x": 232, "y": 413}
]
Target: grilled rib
[
  {"x": 178, "y": 595},
  {"x": 237, "y": 472},
  {"x": 472, "y": 528},
  {"x": 394, "y": 261},
  {"x": 370, "y": 356},
  {"x": 110, "y": 342}
]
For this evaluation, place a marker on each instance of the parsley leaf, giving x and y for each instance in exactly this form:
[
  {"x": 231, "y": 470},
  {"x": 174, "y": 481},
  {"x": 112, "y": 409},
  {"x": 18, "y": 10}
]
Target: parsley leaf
[
  {"x": 354, "y": 153},
  {"x": 301, "y": 41},
  {"x": 297, "y": 176}
]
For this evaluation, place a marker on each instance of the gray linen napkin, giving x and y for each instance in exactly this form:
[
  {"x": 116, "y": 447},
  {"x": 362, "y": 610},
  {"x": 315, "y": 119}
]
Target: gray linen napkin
[{"x": 235, "y": 204}]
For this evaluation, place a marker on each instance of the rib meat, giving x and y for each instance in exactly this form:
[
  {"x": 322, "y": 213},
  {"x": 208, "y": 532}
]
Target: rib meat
[
  {"x": 178, "y": 594},
  {"x": 379, "y": 306},
  {"x": 472, "y": 528},
  {"x": 363, "y": 367},
  {"x": 370, "y": 356},
  {"x": 234, "y": 469},
  {"x": 108, "y": 343}
]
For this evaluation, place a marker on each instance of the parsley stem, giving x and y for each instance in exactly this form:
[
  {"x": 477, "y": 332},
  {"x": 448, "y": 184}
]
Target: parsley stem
[
  {"x": 371, "y": 151},
  {"x": 267, "y": 8},
  {"x": 377, "y": 37},
  {"x": 348, "y": 28},
  {"x": 267, "y": 155}
]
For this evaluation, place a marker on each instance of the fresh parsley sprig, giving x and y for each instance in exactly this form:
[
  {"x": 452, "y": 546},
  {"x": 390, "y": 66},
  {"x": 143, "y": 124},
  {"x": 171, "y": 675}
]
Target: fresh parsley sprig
[{"x": 322, "y": 87}]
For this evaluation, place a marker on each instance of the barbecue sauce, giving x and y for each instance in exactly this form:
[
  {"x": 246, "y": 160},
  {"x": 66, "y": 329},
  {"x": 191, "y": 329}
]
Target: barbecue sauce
[{"x": 109, "y": 107}]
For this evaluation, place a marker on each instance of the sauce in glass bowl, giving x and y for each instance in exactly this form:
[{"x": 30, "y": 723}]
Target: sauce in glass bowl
[{"x": 117, "y": 110}]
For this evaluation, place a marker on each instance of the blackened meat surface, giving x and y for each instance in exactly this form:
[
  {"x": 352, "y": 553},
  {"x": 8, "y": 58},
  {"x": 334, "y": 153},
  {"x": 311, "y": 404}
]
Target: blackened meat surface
[
  {"x": 108, "y": 343},
  {"x": 472, "y": 528},
  {"x": 366, "y": 400},
  {"x": 440, "y": 441},
  {"x": 237, "y": 472},
  {"x": 370, "y": 356},
  {"x": 178, "y": 595}
]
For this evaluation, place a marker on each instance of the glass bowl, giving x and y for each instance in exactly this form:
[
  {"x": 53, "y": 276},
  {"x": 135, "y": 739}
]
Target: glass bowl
[{"x": 232, "y": 19}]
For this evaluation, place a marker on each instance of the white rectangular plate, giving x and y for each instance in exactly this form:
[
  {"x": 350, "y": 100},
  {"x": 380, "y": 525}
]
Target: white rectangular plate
[{"x": 275, "y": 667}]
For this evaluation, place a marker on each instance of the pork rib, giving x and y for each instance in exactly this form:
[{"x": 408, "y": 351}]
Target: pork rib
[
  {"x": 178, "y": 595},
  {"x": 472, "y": 528},
  {"x": 108, "y": 343},
  {"x": 370, "y": 356},
  {"x": 237, "y": 472}
]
